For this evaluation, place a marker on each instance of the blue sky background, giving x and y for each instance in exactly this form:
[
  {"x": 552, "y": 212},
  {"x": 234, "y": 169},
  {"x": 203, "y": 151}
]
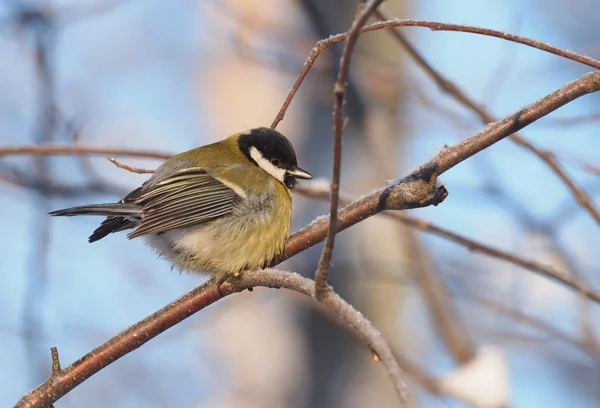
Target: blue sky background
[{"x": 126, "y": 76}]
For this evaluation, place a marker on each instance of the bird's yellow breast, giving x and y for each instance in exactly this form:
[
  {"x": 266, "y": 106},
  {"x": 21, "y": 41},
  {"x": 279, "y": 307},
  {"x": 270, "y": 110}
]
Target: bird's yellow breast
[{"x": 249, "y": 238}]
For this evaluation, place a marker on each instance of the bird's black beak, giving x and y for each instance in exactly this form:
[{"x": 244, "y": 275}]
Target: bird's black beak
[{"x": 297, "y": 172}]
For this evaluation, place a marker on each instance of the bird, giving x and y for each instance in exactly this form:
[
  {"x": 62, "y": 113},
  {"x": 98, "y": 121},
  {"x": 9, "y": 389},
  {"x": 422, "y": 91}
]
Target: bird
[{"x": 216, "y": 210}]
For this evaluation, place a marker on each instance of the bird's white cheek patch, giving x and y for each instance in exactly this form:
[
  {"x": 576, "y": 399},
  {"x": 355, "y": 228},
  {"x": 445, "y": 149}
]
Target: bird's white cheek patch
[{"x": 266, "y": 165}]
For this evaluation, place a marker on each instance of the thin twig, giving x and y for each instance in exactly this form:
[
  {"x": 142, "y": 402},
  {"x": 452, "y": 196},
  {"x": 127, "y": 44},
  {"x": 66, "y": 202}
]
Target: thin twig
[
  {"x": 55, "y": 361},
  {"x": 582, "y": 119},
  {"x": 338, "y": 129},
  {"x": 532, "y": 321},
  {"x": 355, "y": 319},
  {"x": 477, "y": 246},
  {"x": 445, "y": 318},
  {"x": 582, "y": 198},
  {"x": 19, "y": 178},
  {"x": 129, "y": 168},
  {"x": 586, "y": 166}
]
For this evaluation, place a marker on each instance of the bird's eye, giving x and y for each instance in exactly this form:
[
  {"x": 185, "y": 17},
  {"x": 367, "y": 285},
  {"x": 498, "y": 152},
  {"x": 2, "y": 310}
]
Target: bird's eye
[{"x": 275, "y": 162}]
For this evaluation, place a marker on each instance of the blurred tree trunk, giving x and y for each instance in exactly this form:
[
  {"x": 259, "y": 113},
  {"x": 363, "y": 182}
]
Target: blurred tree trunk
[
  {"x": 343, "y": 373},
  {"x": 256, "y": 338}
]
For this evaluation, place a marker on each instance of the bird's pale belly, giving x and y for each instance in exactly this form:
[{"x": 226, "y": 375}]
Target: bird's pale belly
[{"x": 227, "y": 245}]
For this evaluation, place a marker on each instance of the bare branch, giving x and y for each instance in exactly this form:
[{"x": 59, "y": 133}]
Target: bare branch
[
  {"x": 582, "y": 198},
  {"x": 55, "y": 361},
  {"x": 80, "y": 150},
  {"x": 354, "y": 318},
  {"x": 590, "y": 168},
  {"x": 445, "y": 318},
  {"x": 50, "y": 189},
  {"x": 135, "y": 336},
  {"x": 129, "y": 168},
  {"x": 574, "y": 120},
  {"x": 338, "y": 128},
  {"x": 533, "y": 322}
]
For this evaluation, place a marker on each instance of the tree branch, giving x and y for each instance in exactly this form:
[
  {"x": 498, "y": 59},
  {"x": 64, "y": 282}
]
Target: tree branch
[
  {"x": 79, "y": 150},
  {"x": 339, "y": 90},
  {"x": 43, "y": 186},
  {"x": 445, "y": 318},
  {"x": 129, "y": 168},
  {"x": 55, "y": 361}
]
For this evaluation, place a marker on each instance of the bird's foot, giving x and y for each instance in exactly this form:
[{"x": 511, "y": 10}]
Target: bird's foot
[{"x": 234, "y": 278}]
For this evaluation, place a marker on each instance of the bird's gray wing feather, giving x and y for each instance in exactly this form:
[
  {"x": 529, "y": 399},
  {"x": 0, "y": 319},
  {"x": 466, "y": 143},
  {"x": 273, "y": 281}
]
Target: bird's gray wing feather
[{"x": 189, "y": 197}]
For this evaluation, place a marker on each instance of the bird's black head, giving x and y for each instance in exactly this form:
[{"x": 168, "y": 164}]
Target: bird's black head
[{"x": 273, "y": 152}]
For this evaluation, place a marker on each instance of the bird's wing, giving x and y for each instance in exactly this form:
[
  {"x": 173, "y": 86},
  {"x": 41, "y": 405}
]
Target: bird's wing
[{"x": 190, "y": 197}]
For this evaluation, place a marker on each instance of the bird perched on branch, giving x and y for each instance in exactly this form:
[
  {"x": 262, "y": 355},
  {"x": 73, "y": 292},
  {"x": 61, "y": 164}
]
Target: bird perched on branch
[{"x": 218, "y": 209}]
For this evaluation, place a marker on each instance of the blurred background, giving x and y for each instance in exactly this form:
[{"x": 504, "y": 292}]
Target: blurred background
[{"x": 169, "y": 76}]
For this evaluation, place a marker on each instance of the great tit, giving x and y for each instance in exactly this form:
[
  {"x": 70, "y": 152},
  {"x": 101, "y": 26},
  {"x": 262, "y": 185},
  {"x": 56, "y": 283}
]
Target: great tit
[{"x": 217, "y": 209}]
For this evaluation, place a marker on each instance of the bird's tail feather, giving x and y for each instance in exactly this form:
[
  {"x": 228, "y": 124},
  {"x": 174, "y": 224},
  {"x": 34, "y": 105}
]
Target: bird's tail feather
[{"x": 110, "y": 210}]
